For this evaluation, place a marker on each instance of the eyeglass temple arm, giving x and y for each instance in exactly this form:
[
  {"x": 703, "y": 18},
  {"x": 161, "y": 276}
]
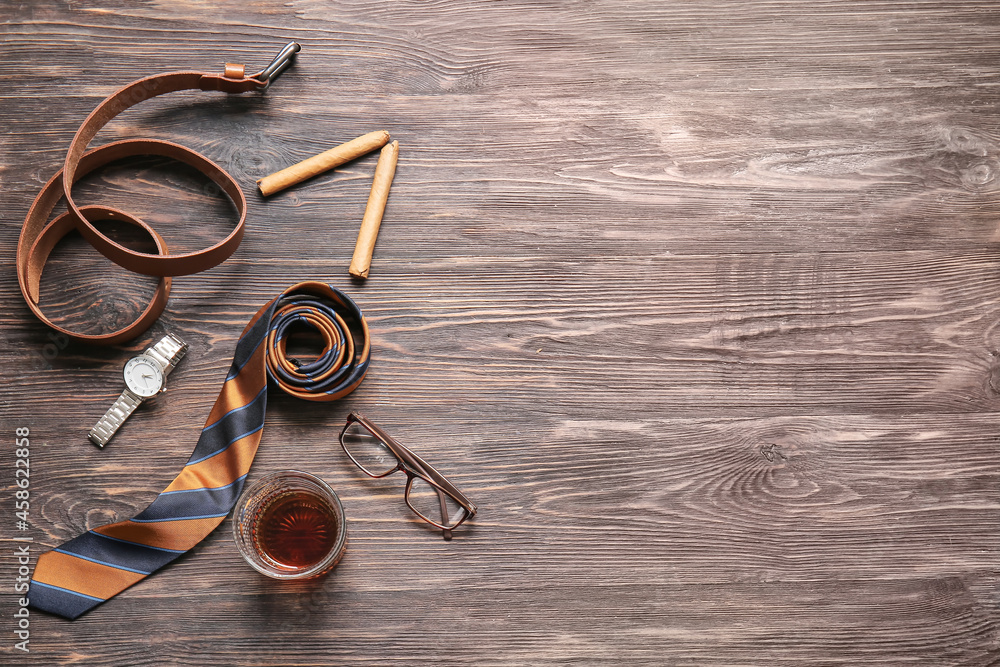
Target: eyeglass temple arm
[{"x": 445, "y": 519}]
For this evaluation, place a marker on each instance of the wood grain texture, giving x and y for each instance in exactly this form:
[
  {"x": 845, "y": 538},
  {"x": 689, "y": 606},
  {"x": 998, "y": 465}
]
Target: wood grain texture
[{"x": 698, "y": 301}]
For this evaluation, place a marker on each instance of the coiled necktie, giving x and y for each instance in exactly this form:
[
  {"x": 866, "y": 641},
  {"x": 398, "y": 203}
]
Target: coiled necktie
[{"x": 88, "y": 570}]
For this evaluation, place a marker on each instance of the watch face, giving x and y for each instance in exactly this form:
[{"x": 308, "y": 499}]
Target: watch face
[{"x": 143, "y": 376}]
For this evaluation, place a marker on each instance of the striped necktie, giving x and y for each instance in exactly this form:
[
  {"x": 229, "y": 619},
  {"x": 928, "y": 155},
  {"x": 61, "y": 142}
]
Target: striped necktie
[{"x": 84, "y": 572}]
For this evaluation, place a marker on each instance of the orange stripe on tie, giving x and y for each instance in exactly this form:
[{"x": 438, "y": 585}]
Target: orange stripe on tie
[
  {"x": 237, "y": 394},
  {"x": 83, "y": 576},
  {"x": 179, "y": 535},
  {"x": 221, "y": 469}
]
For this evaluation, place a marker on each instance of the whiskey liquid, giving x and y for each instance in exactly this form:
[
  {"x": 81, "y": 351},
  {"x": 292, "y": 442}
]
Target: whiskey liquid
[{"x": 296, "y": 530}]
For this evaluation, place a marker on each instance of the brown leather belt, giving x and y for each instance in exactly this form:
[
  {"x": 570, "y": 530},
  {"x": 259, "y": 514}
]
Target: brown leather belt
[{"x": 38, "y": 238}]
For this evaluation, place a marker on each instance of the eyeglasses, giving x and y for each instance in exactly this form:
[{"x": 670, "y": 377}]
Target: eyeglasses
[{"x": 427, "y": 493}]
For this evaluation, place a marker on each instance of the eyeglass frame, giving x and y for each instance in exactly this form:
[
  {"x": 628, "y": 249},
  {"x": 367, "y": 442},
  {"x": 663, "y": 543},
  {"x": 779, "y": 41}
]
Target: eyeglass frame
[{"x": 414, "y": 467}]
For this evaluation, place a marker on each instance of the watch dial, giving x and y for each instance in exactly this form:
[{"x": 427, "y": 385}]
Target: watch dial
[{"x": 143, "y": 376}]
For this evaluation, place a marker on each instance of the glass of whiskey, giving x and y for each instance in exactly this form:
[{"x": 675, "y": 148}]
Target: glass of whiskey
[{"x": 290, "y": 525}]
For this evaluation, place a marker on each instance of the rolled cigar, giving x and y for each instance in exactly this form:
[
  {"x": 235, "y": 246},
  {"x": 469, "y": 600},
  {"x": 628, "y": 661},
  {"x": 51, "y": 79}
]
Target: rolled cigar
[
  {"x": 384, "y": 171},
  {"x": 325, "y": 161}
]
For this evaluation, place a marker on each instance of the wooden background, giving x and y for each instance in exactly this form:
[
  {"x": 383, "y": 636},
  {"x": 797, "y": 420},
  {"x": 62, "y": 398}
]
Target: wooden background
[{"x": 698, "y": 300}]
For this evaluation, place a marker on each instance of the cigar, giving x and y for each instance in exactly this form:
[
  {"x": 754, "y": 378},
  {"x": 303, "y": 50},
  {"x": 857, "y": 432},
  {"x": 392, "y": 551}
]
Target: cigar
[
  {"x": 325, "y": 161},
  {"x": 384, "y": 171}
]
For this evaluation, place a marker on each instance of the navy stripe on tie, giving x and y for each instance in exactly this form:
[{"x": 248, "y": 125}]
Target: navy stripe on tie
[
  {"x": 116, "y": 553},
  {"x": 55, "y": 600},
  {"x": 235, "y": 424},
  {"x": 248, "y": 344},
  {"x": 226, "y": 446},
  {"x": 102, "y": 562},
  {"x": 356, "y": 375},
  {"x": 321, "y": 363},
  {"x": 235, "y": 410},
  {"x": 115, "y": 539},
  {"x": 193, "y": 503}
]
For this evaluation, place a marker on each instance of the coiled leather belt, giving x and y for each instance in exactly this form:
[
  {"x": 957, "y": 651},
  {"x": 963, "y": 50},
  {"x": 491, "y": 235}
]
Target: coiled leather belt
[{"x": 38, "y": 238}]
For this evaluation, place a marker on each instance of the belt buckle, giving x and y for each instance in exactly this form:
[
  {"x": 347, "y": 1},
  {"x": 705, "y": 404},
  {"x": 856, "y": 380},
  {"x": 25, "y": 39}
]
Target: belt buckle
[{"x": 280, "y": 63}]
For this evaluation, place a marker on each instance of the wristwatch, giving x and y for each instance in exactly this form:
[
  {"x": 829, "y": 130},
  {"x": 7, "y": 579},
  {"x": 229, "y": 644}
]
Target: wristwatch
[{"x": 145, "y": 377}]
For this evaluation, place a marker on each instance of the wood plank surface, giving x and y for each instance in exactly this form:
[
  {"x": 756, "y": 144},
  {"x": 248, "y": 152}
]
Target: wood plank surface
[{"x": 699, "y": 301}]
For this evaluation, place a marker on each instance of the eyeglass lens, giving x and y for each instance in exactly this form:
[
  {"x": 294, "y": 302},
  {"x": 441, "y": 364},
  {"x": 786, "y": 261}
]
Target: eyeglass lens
[
  {"x": 368, "y": 451},
  {"x": 434, "y": 505}
]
